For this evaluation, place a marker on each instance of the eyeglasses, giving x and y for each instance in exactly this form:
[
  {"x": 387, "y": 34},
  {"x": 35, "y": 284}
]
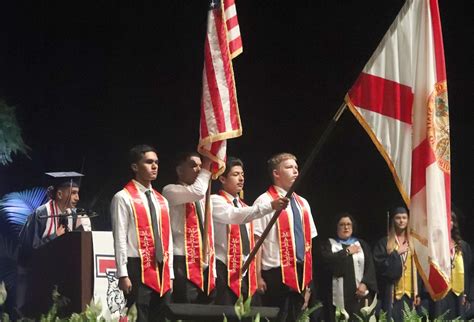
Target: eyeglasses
[{"x": 345, "y": 225}]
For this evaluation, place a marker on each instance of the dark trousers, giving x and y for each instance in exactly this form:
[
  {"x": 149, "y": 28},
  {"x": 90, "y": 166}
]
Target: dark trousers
[
  {"x": 396, "y": 312},
  {"x": 224, "y": 295},
  {"x": 185, "y": 291},
  {"x": 278, "y": 294},
  {"x": 150, "y": 306},
  {"x": 450, "y": 302}
]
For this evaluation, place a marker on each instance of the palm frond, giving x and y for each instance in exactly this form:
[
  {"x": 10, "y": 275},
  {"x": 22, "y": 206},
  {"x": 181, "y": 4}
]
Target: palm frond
[
  {"x": 15, "y": 208},
  {"x": 10, "y": 134}
]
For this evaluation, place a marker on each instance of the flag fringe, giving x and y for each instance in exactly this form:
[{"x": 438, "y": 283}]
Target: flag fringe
[{"x": 434, "y": 296}]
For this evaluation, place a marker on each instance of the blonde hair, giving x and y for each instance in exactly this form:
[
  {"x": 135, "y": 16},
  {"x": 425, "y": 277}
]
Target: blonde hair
[
  {"x": 275, "y": 160},
  {"x": 391, "y": 238}
]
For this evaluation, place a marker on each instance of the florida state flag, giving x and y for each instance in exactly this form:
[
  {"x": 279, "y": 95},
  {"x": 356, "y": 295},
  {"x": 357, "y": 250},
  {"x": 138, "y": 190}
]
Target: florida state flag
[
  {"x": 220, "y": 119},
  {"x": 401, "y": 100}
]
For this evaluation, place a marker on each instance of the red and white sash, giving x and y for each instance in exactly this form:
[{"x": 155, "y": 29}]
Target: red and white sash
[
  {"x": 287, "y": 250},
  {"x": 194, "y": 250},
  {"x": 51, "y": 222},
  {"x": 146, "y": 239},
  {"x": 235, "y": 256}
]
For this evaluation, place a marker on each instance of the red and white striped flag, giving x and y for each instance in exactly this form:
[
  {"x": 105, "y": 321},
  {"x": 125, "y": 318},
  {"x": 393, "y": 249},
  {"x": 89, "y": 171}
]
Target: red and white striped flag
[
  {"x": 220, "y": 119},
  {"x": 401, "y": 100}
]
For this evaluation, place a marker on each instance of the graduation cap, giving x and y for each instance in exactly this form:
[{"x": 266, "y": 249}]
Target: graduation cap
[
  {"x": 397, "y": 210},
  {"x": 64, "y": 179}
]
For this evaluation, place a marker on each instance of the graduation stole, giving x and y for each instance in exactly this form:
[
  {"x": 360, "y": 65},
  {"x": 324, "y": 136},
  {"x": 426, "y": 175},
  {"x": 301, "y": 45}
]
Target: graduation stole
[
  {"x": 405, "y": 285},
  {"x": 146, "y": 239},
  {"x": 457, "y": 273},
  {"x": 287, "y": 250},
  {"x": 358, "y": 262},
  {"x": 51, "y": 210},
  {"x": 235, "y": 256},
  {"x": 194, "y": 251}
]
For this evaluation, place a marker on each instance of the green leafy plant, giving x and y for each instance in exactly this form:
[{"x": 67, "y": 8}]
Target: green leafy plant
[
  {"x": 367, "y": 312},
  {"x": 410, "y": 314},
  {"x": 243, "y": 309},
  {"x": 341, "y": 314},
  {"x": 442, "y": 317},
  {"x": 3, "y": 293},
  {"x": 10, "y": 134},
  {"x": 383, "y": 316},
  {"x": 91, "y": 313},
  {"x": 304, "y": 316}
]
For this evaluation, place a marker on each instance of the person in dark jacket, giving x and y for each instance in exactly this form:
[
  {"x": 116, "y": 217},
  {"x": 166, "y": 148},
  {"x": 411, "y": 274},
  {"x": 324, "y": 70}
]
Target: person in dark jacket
[
  {"x": 397, "y": 276},
  {"x": 348, "y": 260}
]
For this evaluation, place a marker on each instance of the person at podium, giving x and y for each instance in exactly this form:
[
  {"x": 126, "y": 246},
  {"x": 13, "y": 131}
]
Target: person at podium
[
  {"x": 49, "y": 221},
  {"x": 58, "y": 215}
]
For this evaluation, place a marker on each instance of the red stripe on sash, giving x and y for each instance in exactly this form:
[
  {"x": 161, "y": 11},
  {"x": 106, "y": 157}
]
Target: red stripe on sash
[
  {"x": 235, "y": 256},
  {"x": 308, "y": 257},
  {"x": 193, "y": 246},
  {"x": 211, "y": 281},
  {"x": 146, "y": 242},
  {"x": 287, "y": 251},
  {"x": 234, "y": 259},
  {"x": 165, "y": 233},
  {"x": 52, "y": 219}
]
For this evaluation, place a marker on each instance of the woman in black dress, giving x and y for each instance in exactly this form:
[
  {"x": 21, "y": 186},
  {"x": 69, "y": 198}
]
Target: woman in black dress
[
  {"x": 348, "y": 262},
  {"x": 398, "y": 280}
]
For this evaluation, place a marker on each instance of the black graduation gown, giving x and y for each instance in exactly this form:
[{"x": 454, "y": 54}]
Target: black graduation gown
[
  {"x": 389, "y": 269},
  {"x": 31, "y": 235},
  {"x": 340, "y": 265},
  {"x": 451, "y": 301}
]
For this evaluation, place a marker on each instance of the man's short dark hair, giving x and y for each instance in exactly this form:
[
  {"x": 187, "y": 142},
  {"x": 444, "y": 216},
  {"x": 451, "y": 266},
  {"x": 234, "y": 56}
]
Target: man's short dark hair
[
  {"x": 231, "y": 162},
  {"x": 185, "y": 156},
  {"x": 53, "y": 190},
  {"x": 138, "y": 151}
]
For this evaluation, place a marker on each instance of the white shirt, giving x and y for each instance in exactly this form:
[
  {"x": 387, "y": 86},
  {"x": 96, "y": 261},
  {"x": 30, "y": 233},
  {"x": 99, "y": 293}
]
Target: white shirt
[
  {"x": 271, "y": 244},
  {"x": 224, "y": 213},
  {"x": 178, "y": 196},
  {"x": 124, "y": 229}
]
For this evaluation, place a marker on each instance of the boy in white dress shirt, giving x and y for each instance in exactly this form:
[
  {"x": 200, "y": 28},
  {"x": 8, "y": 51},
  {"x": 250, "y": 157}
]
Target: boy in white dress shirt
[
  {"x": 285, "y": 279},
  {"x": 142, "y": 238},
  {"x": 234, "y": 234},
  {"x": 194, "y": 271}
]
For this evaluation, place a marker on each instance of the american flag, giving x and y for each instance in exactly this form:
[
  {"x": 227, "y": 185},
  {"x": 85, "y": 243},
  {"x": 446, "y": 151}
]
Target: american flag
[{"x": 220, "y": 119}]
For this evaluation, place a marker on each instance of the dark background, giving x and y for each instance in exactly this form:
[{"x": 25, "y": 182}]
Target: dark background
[{"x": 90, "y": 79}]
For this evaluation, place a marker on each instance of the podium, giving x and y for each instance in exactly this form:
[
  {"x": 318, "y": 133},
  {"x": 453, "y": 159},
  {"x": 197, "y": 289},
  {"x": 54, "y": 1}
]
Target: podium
[{"x": 66, "y": 262}]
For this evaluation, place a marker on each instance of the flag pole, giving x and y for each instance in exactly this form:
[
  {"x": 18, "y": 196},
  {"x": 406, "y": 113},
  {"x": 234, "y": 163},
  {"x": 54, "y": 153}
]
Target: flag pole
[
  {"x": 295, "y": 185},
  {"x": 392, "y": 286},
  {"x": 207, "y": 218}
]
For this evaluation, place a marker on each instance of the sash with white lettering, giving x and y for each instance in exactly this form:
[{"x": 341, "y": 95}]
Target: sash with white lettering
[
  {"x": 193, "y": 246},
  {"x": 146, "y": 239},
  {"x": 235, "y": 256},
  {"x": 287, "y": 250}
]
